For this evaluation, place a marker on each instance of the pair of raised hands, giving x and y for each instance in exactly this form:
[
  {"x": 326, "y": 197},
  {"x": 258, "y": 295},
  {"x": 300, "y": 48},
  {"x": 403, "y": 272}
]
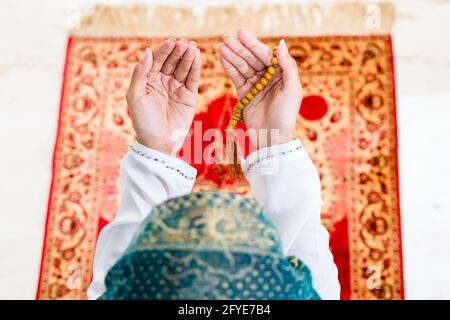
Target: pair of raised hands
[{"x": 163, "y": 93}]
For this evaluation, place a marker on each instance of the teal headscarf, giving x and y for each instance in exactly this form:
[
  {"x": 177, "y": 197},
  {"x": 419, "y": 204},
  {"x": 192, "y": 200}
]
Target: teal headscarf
[{"x": 208, "y": 245}]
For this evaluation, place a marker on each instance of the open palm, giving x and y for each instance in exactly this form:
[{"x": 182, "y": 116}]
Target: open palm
[{"x": 163, "y": 94}]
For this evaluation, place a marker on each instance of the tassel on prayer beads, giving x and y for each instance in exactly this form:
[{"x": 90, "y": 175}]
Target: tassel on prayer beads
[{"x": 237, "y": 115}]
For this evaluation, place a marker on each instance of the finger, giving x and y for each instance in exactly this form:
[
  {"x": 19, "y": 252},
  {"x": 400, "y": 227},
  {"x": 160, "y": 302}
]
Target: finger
[
  {"x": 288, "y": 66},
  {"x": 240, "y": 64},
  {"x": 194, "y": 73},
  {"x": 237, "y": 78},
  {"x": 237, "y": 47},
  {"x": 172, "y": 60},
  {"x": 161, "y": 54},
  {"x": 139, "y": 77},
  {"x": 183, "y": 67},
  {"x": 259, "y": 49}
]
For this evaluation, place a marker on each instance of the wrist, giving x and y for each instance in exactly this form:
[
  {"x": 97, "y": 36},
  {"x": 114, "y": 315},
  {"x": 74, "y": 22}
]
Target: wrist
[
  {"x": 275, "y": 137},
  {"x": 159, "y": 146}
]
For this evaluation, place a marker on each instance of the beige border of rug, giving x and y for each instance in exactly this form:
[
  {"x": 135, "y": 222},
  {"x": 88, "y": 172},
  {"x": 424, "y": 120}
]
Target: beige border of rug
[{"x": 310, "y": 18}]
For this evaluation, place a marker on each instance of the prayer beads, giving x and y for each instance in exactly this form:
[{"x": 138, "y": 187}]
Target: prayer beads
[
  {"x": 235, "y": 168},
  {"x": 257, "y": 88}
]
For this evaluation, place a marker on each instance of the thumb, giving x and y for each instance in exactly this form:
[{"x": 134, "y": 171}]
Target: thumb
[
  {"x": 288, "y": 66},
  {"x": 139, "y": 77}
]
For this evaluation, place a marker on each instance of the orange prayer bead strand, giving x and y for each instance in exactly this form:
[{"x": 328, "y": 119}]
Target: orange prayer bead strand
[
  {"x": 250, "y": 95},
  {"x": 237, "y": 115}
]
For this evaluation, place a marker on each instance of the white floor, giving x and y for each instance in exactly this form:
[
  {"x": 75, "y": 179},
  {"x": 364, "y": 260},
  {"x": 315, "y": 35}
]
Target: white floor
[{"x": 32, "y": 46}]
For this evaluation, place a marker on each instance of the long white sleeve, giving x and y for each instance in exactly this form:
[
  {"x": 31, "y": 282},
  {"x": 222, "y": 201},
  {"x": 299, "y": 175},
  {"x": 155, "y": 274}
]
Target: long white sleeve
[
  {"x": 147, "y": 179},
  {"x": 286, "y": 183}
]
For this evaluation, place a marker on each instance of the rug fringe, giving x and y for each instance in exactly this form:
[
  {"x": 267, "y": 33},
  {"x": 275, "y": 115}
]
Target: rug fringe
[{"x": 269, "y": 19}]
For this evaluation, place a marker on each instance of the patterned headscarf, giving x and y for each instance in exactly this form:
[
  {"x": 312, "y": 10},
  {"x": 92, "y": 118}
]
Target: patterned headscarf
[{"x": 207, "y": 245}]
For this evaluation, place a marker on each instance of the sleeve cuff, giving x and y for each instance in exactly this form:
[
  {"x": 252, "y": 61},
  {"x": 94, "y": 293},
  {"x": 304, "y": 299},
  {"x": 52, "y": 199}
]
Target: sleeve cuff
[
  {"x": 174, "y": 164},
  {"x": 270, "y": 157}
]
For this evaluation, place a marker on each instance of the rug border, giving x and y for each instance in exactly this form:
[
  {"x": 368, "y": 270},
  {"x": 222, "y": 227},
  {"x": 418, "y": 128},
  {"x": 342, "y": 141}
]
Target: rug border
[
  {"x": 394, "y": 100},
  {"x": 57, "y": 138},
  {"x": 55, "y": 149}
]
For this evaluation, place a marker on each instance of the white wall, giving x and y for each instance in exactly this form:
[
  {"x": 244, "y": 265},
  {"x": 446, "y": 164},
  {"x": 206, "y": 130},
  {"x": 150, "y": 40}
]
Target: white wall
[{"x": 32, "y": 47}]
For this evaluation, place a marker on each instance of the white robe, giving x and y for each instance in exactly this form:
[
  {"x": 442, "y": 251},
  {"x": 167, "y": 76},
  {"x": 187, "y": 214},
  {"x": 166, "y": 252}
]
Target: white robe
[{"x": 283, "y": 180}]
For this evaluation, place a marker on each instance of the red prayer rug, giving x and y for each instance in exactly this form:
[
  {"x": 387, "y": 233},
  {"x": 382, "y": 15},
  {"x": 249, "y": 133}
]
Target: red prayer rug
[{"x": 347, "y": 122}]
